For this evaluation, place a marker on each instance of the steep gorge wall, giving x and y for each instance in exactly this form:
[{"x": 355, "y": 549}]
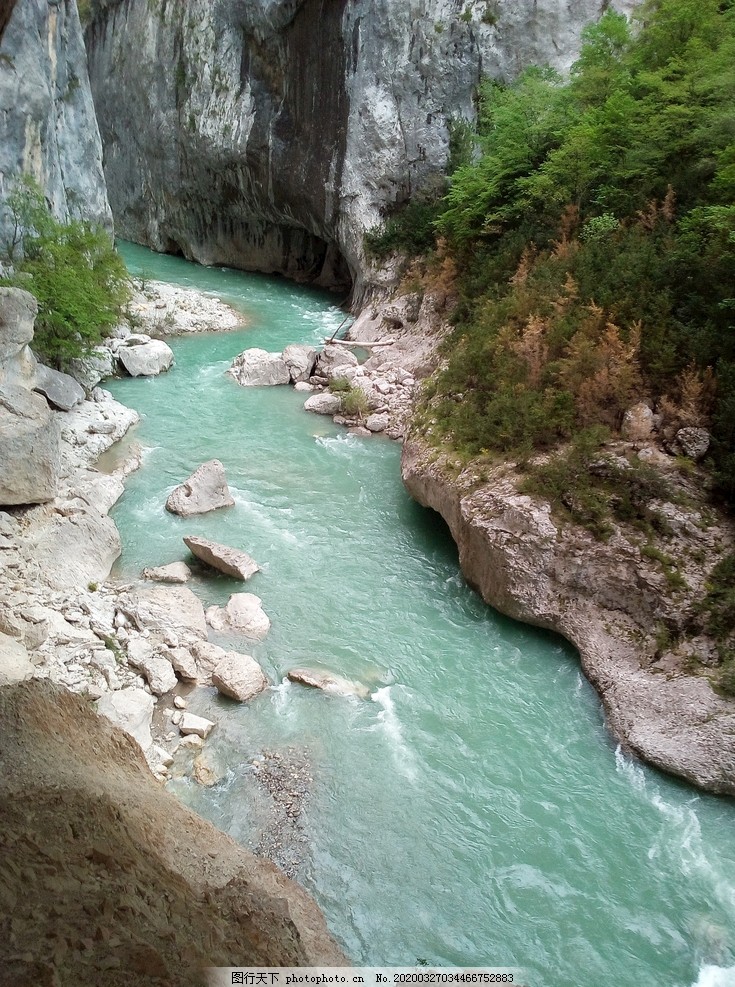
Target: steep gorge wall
[
  {"x": 269, "y": 134},
  {"x": 48, "y": 128}
]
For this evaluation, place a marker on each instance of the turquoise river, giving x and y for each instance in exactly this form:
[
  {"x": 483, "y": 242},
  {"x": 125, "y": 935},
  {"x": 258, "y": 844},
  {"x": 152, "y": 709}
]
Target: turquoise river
[{"x": 475, "y": 810}]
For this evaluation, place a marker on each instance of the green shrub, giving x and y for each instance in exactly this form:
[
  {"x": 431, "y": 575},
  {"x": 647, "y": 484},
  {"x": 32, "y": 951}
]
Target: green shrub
[
  {"x": 339, "y": 385},
  {"x": 78, "y": 279},
  {"x": 355, "y": 403}
]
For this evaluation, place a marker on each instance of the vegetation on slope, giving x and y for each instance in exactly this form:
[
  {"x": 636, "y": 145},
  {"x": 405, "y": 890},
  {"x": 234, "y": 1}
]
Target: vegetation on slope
[
  {"x": 595, "y": 231},
  {"x": 80, "y": 282}
]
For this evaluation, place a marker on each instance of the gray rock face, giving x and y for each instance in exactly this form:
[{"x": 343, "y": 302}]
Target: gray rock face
[
  {"x": 18, "y": 310},
  {"x": 300, "y": 360},
  {"x": 315, "y": 117},
  {"x": 257, "y": 367},
  {"x": 47, "y": 120},
  {"x": 60, "y": 389},
  {"x": 693, "y": 442},
  {"x": 145, "y": 359},
  {"x": 92, "y": 369},
  {"x": 239, "y": 676},
  {"x": 232, "y": 561},
  {"x": 334, "y": 360},
  {"x": 29, "y": 448},
  {"x": 603, "y": 597},
  {"x": 205, "y": 490}
]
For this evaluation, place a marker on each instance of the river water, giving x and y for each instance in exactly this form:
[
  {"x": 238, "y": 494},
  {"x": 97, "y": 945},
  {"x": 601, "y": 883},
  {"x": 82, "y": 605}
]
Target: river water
[{"x": 474, "y": 811}]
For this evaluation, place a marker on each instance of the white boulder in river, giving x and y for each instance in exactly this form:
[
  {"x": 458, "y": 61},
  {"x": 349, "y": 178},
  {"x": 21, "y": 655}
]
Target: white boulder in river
[
  {"x": 239, "y": 677},
  {"x": 142, "y": 356},
  {"x": 257, "y": 367},
  {"x": 205, "y": 490},
  {"x": 232, "y": 561},
  {"x": 244, "y": 613},
  {"x": 324, "y": 404},
  {"x": 328, "y": 682}
]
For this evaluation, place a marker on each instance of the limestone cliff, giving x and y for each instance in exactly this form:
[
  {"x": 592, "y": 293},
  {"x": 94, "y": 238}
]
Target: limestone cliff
[
  {"x": 48, "y": 127},
  {"x": 607, "y": 598},
  {"x": 269, "y": 134},
  {"x": 108, "y": 879}
]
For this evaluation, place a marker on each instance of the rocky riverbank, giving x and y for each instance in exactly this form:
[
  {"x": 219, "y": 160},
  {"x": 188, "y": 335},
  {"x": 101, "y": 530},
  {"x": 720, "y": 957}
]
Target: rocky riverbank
[
  {"x": 640, "y": 641},
  {"x": 66, "y": 628}
]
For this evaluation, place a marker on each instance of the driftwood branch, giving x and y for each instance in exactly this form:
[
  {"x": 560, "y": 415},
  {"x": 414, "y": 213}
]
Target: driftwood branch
[{"x": 358, "y": 343}]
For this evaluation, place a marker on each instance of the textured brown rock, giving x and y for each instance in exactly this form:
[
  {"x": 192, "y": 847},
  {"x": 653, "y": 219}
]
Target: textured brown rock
[
  {"x": 605, "y": 597},
  {"x": 108, "y": 879}
]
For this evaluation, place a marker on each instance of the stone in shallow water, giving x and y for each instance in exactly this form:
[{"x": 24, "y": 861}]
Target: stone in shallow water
[
  {"x": 328, "y": 682},
  {"x": 239, "y": 676},
  {"x": 145, "y": 359},
  {"x": 232, "y": 561},
  {"x": 198, "y": 725},
  {"x": 300, "y": 359},
  {"x": 205, "y": 490}
]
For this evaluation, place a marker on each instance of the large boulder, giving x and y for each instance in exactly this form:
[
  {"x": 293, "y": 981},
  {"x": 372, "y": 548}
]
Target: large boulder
[
  {"x": 197, "y": 725},
  {"x": 29, "y": 448},
  {"x": 300, "y": 359},
  {"x": 693, "y": 442},
  {"x": 239, "y": 676},
  {"x": 332, "y": 359},
  {"x": 243, "y": 613},
  {"x": 323, "y": 404},
  {"x": 131, "y": 710},
  {"x": 328, "y": 682},
  {"x": 256, "y": 367},
  {"x": 231, "y": 561},
  {"x": 205, "y": 490},
  {"x": 145, "y": 357},
  {"x": 165, "y": 610},
  {"x": 154, "y": 666},
  {"x": 61, "y": 390}
]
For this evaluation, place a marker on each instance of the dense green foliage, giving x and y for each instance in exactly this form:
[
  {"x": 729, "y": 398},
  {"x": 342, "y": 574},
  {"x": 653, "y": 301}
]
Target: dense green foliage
[
  {"x": 78, "y": 279},
  {"x": 595, "y": 232}
]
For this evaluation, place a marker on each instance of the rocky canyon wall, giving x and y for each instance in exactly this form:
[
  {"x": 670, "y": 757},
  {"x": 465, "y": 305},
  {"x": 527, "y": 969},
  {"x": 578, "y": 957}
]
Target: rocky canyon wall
[
  {"x": 270, "y": 134},
  {"x": 48, "y": 128}
]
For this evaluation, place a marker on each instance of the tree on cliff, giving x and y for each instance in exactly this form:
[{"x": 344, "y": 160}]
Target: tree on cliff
[{"x": 79, "y": 280}]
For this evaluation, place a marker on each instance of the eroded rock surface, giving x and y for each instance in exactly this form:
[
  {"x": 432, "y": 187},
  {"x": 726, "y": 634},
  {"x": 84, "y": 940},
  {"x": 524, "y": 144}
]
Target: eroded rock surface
[
  {"x": 608, "y": 599},
  {"x": 109, "y": 879}
]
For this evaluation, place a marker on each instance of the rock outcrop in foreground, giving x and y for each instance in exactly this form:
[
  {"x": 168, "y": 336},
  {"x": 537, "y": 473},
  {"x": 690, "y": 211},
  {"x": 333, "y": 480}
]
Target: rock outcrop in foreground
[
  {"x": 110, "y": 880},
  {"x": 605, "y": 597}
]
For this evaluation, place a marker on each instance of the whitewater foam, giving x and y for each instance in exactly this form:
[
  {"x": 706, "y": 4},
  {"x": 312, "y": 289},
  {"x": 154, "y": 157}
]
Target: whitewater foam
[
  {"x": 716, "y": 976},
  {"x": 388, "y": 718}
]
